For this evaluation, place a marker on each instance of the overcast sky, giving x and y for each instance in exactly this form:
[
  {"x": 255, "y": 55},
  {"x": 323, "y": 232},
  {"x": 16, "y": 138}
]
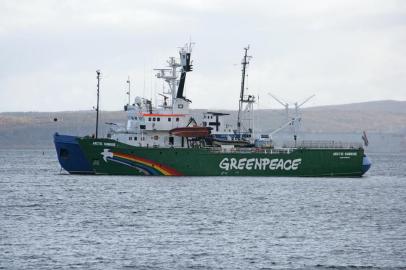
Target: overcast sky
[{"x": 342, "y": 51}]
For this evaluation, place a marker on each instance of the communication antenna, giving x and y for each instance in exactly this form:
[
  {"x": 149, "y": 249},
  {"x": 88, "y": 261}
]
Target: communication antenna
[{"x": 129, "y": 90}]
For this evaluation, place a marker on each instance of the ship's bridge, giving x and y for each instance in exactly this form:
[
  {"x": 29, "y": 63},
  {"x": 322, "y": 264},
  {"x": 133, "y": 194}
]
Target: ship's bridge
[{"x": 142, "y": 116}]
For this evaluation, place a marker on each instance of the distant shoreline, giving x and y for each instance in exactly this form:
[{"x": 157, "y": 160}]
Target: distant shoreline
[{"x": 384, "y": 122}]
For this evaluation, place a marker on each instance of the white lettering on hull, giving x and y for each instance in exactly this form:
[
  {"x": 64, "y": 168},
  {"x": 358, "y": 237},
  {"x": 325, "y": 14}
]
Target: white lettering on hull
[
  {"x": 260, "y": 164},
  {"x": 104, "y": 143}
]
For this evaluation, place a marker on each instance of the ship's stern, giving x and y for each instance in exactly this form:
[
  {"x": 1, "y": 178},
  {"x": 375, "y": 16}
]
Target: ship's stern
[
  {"x": 366, "y": 164},
  {"x": 70, "y": 155}
]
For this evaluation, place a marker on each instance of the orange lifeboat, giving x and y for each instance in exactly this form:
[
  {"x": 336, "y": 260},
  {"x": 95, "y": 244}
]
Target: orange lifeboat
[{"x": 191, "y": 132}]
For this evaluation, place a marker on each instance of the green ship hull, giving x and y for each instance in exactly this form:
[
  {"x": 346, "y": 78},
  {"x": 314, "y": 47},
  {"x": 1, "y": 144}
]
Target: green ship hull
[
  {"x": 105, "y": 156},
  {"x": 182, "y": 147}
]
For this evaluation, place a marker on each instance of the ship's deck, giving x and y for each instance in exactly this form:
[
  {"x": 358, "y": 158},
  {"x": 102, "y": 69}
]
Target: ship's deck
[{"x": 288, "y": 148}]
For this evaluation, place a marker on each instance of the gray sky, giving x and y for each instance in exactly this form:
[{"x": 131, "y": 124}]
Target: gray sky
[{"x": 342, "y": 51}]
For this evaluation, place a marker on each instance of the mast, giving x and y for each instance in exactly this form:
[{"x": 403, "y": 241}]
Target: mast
[
  {"x": 170, "y": 75},
  {"x": 244, "y": 63},
  {"x": 97, "y": 107},
  {"x": 186, "y": 64}
]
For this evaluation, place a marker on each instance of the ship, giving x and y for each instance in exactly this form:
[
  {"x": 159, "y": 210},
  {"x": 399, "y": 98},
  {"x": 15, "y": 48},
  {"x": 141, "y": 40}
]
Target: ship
[{"x": 166, "y": 140}]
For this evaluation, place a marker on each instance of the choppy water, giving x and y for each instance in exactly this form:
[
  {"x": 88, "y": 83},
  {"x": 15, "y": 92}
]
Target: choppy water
[{"x": 55, "y": 221}]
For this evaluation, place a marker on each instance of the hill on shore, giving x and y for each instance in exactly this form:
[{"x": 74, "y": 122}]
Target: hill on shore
[{"x": 383, "y": 118}]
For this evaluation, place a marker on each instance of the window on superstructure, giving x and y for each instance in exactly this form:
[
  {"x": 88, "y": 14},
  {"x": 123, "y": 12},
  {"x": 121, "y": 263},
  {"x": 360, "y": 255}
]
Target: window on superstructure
[
  {"x": 158, "y": 119},
  {"x": 169, "y": 119},
  {"x": 149, "y": 119},
  {"x": 153, "y": 119},
  {"x": 135, "y": 138},
  {"x": 130, "y": 138},
  {"x": 177, "y": 119}
]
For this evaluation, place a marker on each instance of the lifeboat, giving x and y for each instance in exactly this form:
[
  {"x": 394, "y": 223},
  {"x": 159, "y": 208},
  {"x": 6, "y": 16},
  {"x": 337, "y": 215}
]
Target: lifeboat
[{"x": 190, "y": 132}]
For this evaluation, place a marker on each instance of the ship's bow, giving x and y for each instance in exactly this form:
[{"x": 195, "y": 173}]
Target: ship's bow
[{"x": 70, "y": 155}]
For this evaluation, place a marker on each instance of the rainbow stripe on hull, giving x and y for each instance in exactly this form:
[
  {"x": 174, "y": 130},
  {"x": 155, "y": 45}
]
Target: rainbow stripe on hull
[{"x": 145, "y": 166}]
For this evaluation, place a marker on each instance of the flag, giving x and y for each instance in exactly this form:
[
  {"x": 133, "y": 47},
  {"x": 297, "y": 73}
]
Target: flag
[{"x": 365, "y": 138}]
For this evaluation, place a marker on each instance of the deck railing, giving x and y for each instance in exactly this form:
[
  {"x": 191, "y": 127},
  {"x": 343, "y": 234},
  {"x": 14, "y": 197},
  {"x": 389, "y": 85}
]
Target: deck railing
[
  {"x": 251, "y": 150},
  {"x": 288, "y": 148},
  {"x": 323, "y": 144}
]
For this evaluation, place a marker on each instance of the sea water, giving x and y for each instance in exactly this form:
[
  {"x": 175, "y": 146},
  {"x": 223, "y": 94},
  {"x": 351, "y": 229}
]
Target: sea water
[{"x": 52, "y": 220}]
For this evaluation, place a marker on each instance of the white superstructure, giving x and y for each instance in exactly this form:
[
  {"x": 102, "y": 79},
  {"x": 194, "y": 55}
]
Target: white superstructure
[{"x": 149, "y": 126}]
